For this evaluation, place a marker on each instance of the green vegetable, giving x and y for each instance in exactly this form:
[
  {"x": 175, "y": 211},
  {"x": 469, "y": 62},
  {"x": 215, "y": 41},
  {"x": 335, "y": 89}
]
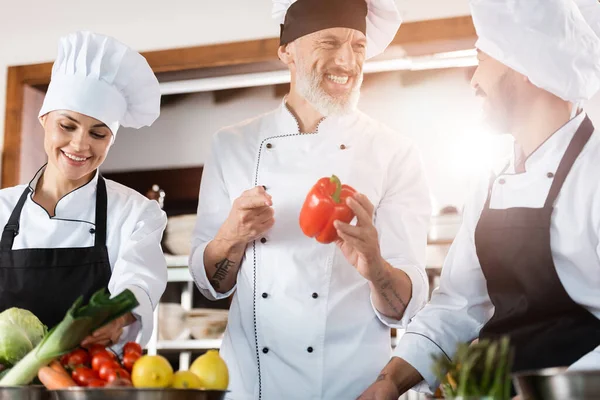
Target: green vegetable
[
  {"x": 20, "y": 332},
  {"x": 79, "y": 322},
  {"x": 481, "y": 369}
]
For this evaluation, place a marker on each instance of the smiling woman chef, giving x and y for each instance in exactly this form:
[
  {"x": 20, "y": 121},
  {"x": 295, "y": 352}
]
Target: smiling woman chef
[{"x": 70, "y": 232}]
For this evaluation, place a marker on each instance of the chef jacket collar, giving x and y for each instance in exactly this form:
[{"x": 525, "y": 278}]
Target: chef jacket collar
[
  {"x": 70, "y": 205},
  {"x": 547, "y": 156},
  {"x": 288, "y": 124}
]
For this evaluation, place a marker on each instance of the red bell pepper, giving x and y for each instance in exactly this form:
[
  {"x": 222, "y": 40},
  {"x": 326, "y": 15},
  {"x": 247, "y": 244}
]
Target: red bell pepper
[{"x": 325, "y": 203}]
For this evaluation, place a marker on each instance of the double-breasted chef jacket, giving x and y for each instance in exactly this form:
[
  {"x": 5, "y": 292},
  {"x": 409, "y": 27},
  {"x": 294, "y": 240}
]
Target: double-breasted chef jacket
[{"x": 301, "y": 323}]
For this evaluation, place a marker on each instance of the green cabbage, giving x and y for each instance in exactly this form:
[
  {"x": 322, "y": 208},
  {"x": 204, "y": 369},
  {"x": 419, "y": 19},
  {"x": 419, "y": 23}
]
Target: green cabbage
[{"x": 20, "y": 332}]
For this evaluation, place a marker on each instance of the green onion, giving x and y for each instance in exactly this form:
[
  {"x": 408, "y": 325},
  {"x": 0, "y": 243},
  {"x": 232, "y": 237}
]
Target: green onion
[
  {"x": 480, "y": 369},
  {"x": 79, "y": 322}
]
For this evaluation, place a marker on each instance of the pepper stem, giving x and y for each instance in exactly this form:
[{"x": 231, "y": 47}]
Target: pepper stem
[{"x": 338, "y": 188}]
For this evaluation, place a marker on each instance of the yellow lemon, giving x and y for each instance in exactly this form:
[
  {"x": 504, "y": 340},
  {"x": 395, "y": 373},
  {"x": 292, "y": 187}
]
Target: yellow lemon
[
  {"x": 212, "y": 371},
  {"x": 152, "y": 372},
  {"x": 186, "y": 380}
]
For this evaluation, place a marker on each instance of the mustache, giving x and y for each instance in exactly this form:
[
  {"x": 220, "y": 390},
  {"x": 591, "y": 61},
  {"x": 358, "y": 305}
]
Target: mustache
[
  {"x": 480, "y": 93},
  {"x": 341, "y": 71}
]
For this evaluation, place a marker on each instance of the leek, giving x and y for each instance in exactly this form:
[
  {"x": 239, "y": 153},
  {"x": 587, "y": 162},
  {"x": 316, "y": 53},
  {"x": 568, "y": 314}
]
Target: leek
[
  {"x": 79, "y": 322},
  {"x": 477, "y": 370}
]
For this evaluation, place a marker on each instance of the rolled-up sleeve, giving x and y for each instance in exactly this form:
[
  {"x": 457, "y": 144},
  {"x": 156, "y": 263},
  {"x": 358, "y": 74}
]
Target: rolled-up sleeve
[
  {"x": 457, "y": 310},
  {"x": 141, "y": 268},
  {"x": 213, "y": 208},
  {"x": 402, "y": 220}
]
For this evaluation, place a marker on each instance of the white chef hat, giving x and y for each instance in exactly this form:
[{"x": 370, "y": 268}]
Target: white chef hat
[
  {"x": 548, "y": 41},
  {"x": 102, "y": 78},
  {"x": 379, "y": 20},
  {"x": 590, "y": 9}
]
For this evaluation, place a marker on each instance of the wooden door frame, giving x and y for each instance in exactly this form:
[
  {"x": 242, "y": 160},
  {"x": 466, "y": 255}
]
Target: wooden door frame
[{"x": 422, "y": 37}]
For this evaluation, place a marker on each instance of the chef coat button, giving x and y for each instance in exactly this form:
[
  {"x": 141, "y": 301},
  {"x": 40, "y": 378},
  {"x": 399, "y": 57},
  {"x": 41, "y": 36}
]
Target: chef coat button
[
  {"x": 550, "y": 175},
  {"x": 310, "y": 349},
  {"x": 502, "y": 181},
  {"x": 92, "y": 231},
  {"x": 265, "y": 295},
  {"x": 265, "y": 350},
  {"x": 315, "y": 295},
  {"x": 342, "y": 147},
  {"x": 263, "y": 240},
  {"x": 269, "y": 146}
]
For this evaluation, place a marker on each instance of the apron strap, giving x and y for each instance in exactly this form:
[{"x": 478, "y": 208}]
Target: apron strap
[
  {"x": 12, "y": 226},
  {"x": 101, "y": 213},
  {"x": 577, "y": 144}
]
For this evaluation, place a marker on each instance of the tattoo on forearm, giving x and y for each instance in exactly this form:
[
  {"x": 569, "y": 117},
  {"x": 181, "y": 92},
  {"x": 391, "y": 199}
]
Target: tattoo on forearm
[
  {"x": 220, "y": 274},
  {"x": 385, "y": 289},
  {"x": 384, "y": 375}
]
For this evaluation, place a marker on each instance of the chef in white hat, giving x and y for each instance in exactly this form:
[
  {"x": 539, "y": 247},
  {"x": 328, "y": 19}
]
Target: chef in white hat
[
  {"x": 526, "y": 261},
  {"x": 70, "y": 232},
  {"x": 311, "y": 320}
]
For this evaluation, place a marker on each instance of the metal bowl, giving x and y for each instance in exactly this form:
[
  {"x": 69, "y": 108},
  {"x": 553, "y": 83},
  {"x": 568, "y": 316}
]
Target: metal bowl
[
  {"x": 33, "y": 392},
  {"x": 128, "y": 393},
  {"x": 558, "y": 384}
]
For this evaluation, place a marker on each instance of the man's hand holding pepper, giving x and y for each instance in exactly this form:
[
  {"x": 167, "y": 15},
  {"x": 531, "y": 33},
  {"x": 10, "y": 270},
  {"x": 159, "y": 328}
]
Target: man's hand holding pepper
[
  {"x": 391, "y": 288},
  {"x": 360, "y": 243}
]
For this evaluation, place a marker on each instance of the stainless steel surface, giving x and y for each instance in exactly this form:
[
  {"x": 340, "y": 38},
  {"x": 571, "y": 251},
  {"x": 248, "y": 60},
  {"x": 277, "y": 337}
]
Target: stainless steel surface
[
  {"x": 34, "y": 392},
  {"x": 134, "y": 394},
  {"x": 558, "y": 384}
]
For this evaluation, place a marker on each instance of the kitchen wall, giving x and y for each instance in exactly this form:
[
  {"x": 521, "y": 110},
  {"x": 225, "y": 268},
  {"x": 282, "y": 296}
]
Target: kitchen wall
[
  {"x": 435, "y": 108},
  {"x": 30, "y": 29}
]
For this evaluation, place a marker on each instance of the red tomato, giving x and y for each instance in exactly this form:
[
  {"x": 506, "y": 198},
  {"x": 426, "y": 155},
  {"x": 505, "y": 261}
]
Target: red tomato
[
  {"x": 107, "y": 367},
  {"x": 76, "y": 358},
  {"x": 96, "y": 383},
  {"x": 83, "y": 375},
  {"x": 120, "y": 383},
  {"x": 119, "y": 373},
  {"x": 129, "y": 359},
  {"x": 64, "y": 359},
  {"x": 132, "y": 347},
  {"x": 99, "y": 358},
  {"x": 95, "y": 348}
]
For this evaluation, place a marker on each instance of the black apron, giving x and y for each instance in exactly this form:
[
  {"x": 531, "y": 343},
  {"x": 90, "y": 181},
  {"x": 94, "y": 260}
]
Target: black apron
[
  {"x": 48, "y": 281},
  {"x": 546, "y": 327}
]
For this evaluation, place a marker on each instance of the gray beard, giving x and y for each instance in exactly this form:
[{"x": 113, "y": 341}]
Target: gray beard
[{"x": 308, "y": 85}]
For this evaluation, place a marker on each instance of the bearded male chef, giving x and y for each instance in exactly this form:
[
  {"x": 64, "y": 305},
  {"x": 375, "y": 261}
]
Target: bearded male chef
[
  {"x": 309, "y": 320},
  {"x": 526, "y": 261}
]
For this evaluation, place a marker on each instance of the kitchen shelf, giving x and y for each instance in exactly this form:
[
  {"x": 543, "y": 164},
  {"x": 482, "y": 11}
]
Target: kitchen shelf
[
  {"x": 190, "y": 344},
  {"x": 177, "y": 261}
]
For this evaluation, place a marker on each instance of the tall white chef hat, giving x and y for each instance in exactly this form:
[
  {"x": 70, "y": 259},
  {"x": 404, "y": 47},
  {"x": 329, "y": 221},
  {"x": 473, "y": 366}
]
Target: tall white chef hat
[
  {"x": 590, "y": 9},
  {"x": 379, "y": 20},
  {"x": 548, "y": 41},
  {"x": 102, "y": 78}
]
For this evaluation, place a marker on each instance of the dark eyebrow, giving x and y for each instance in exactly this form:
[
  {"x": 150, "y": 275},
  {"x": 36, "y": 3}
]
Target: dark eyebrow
[
  {"x": 69, "y": 117},
  {"x": 101, "y": 125}
]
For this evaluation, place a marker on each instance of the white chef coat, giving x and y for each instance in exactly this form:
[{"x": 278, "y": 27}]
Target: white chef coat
[
  {"x": 349, "y": 339},
  {"x": 135, "y": 225},
  {"x": 460, "y": 307}
]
